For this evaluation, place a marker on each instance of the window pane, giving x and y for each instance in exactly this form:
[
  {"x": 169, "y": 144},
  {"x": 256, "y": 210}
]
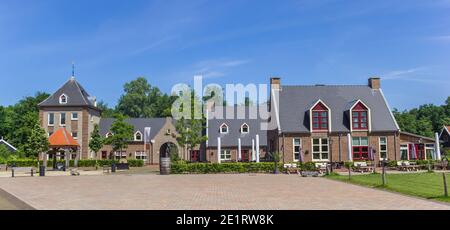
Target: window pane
[
  {"x": 297, "y": 149},
  {"x": 315, "y": 114},
  {"x": 323, "y": 114},
  {"x": 324, "y": 156},
  {"x": 364, "y": 141},
  {"x": 324, "y": 125},
  {"x": 315, "y": 120},
  {"x": 316, "y": 156},
  {"x": 324, "y": 141},
  {"x": 324, "y": 119},
  {"x": 355, "y": 120},
  {"x": 363, "y": 114},
  {"x": 316, "y": 148},
  {"x": 356, "y": 141},
  {"x": 382, "y": 140},
  {"x": 316, "y": 125},
  {"x": 324, "y": 148},
  {"x": 296, "y": 141},
  {"x": 316, "y": 141},
  {"x": 383, "y": 148},
  {"x": 355, "y": 114},
  {"x": 363, "y": 125}
]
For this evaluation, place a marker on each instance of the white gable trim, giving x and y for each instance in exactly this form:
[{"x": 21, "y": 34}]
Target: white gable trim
[
  {"x": 135, "y": 134},
  {"x": 310, "y": 115},
  {"x": 60, "y": 100},
  {"x": 389, "y": 108},
  {"x": 369, "y": 116},
  {"x": 220, "y": 128},
  {"x": 248, "y": 128}
]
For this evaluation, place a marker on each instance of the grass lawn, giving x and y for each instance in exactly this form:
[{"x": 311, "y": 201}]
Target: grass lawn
[{"x": 425, "y": 185}]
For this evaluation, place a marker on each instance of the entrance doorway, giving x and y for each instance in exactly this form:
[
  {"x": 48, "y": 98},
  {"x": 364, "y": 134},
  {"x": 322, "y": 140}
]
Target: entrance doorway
[{"x": 246, "y": 155}]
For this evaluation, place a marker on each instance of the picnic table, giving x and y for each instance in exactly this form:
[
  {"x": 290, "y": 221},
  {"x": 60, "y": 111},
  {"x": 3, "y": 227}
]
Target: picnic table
[
  {"x": 363, "y": 167},
  {"x": 291, "y": 168},
  {"x": 407, "y": 166}
]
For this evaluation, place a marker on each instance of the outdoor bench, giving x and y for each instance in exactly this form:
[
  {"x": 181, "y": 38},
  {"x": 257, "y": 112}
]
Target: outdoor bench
[
  {"x": 106, "y": 169},
  {"x": 309, "y": 173},
  {"x": 25, "y": 170}
]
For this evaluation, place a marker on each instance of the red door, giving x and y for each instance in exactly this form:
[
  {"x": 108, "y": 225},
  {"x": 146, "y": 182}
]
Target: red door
[
  {"x": 246, "y": 156},
  {"x": 195, "y": 155}
]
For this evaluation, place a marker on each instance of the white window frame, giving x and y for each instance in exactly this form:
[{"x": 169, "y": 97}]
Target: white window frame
[
  {"x": 225, "y": 155},
  {"x": 48, "y": 119},
  {"x": 429, "y": 148},
  {"x": 123, "y": 155},
  {"x": 242, "y": 128},
  {"x": 76, "y": 136},
  {"x": 72, "y": 118},
  {"x": 225, "y": 126},
  {"x": 320, "y": 149},
  {"x": 60, "y": 119},
  {"x": 135, "y": 136},
  {"x": 369, "y": 117},
  {"x": 142, "y": 156},
  {"x": 311, "y": 117},
  {"x": 293, "y": 149},
  {"x": 404, "y": 147},
  {"x": 379, "y": 147},
  {"x": 60, "y": 99}
]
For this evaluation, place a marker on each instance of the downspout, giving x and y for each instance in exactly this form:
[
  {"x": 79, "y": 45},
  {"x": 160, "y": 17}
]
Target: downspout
[
  {"x": 340, "y": 148},
  {"x": 395, "y": 146}
]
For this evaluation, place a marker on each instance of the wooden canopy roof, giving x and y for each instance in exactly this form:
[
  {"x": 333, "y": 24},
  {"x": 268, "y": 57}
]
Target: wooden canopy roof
[{"x": 62, "y": 138}]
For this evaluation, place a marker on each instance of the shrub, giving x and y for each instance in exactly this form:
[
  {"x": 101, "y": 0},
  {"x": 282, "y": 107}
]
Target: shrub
[
  {"x": 348, "y": 164},
  {"x": 81, "y": 163},
  {"x": 202, "y": 168},
  {"x": 392, "y": 164},
  {"x": 308, "y": 166}
]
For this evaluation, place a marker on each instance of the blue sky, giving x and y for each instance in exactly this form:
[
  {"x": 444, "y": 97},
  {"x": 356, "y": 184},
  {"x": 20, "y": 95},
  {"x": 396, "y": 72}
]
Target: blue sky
[{"x": 406, "y": 43}]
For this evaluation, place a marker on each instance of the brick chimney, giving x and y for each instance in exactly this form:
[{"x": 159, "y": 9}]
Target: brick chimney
[
  {"x": 275, "y": 83},
  {"x": 374, "y": 83}
]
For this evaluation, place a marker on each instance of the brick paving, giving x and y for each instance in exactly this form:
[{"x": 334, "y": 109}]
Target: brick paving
[{"x": 230, "y": 191}]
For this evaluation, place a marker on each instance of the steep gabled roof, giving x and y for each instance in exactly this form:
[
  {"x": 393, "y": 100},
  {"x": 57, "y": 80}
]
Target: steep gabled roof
[
  {"x": 76, "y": 96},
  {"x": 295, "y": 101},
  {"x": 234, "y": 128},
  {"x": 138, "y": 124}
]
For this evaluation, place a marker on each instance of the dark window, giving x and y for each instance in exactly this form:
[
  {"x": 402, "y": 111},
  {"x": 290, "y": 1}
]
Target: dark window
[{"x": 320, "y": 120}]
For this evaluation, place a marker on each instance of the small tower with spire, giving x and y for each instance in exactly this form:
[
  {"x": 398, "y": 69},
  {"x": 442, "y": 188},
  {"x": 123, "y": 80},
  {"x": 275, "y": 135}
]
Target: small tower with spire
[{"x": 73, "y": 71}]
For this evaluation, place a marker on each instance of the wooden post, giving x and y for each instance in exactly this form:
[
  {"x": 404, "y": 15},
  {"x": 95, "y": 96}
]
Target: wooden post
[
  {"x": 349, "y": 172},
  {"x": 445, "y": 184},
  {"x": 383, "y": 175}
]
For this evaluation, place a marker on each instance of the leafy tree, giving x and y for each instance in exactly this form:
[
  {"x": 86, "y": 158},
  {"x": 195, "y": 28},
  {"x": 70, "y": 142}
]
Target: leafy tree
[
  {"x": 4, "y": 152},
  {"x": 107, "y": 112},
  {"x": 122, "y": 133},
  {"x": 143, "y": 100},
  {"x": 190, "y": 128},
  {"x": 96, "y": 141},
  {"x": 37, "y": 142}
]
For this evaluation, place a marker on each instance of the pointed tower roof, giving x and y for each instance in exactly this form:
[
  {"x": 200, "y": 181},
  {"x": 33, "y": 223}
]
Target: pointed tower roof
[
  {"x": 62, "y": 138},
  {"x": 74, "y": 93}
]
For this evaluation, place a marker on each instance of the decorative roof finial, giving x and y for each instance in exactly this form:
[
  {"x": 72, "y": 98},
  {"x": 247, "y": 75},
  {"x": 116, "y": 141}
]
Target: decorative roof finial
[{"x": 73, "y": 69}]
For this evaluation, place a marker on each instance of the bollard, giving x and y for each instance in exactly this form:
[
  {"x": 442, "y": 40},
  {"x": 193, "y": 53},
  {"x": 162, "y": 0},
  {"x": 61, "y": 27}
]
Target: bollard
[
  {"x": 12, "y": 171},
  {"x": 445, "y": 185},
  {"x": 32, "y": 172},
  {"x": 383, "y": 175}
]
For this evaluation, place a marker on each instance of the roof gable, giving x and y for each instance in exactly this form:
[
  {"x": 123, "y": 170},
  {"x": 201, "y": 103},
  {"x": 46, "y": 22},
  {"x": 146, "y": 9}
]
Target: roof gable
[
  {"x": 294, "y": 104},
  {"x": 62, "y": 138},
  {"x": 138, "y": 124}
]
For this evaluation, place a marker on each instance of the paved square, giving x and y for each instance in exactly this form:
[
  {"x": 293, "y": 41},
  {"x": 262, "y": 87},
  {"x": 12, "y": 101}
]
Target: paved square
[{"x": 221, "y": 191}]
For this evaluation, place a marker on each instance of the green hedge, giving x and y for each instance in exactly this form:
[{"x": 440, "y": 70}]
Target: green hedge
[
  {"x": 81, "y": 163},
  {"x": 202, "y": 168}
]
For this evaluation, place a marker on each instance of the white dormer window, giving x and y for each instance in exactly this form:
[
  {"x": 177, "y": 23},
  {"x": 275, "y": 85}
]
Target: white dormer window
[
  {"x": 244, "y": 128},
  {"x": 138, "y": 136},
  {"x": 109, "y": 134},
  {"x": 63, "y": 99},
  {"x": 224, "y": 128}
]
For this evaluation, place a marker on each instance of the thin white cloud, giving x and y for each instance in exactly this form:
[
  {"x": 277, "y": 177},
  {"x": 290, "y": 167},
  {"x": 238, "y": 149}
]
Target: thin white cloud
[
  {"x": 419, "y": 74},
  {"x": 217, "y": 68},
  {"x": 402, "y": 74}
]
